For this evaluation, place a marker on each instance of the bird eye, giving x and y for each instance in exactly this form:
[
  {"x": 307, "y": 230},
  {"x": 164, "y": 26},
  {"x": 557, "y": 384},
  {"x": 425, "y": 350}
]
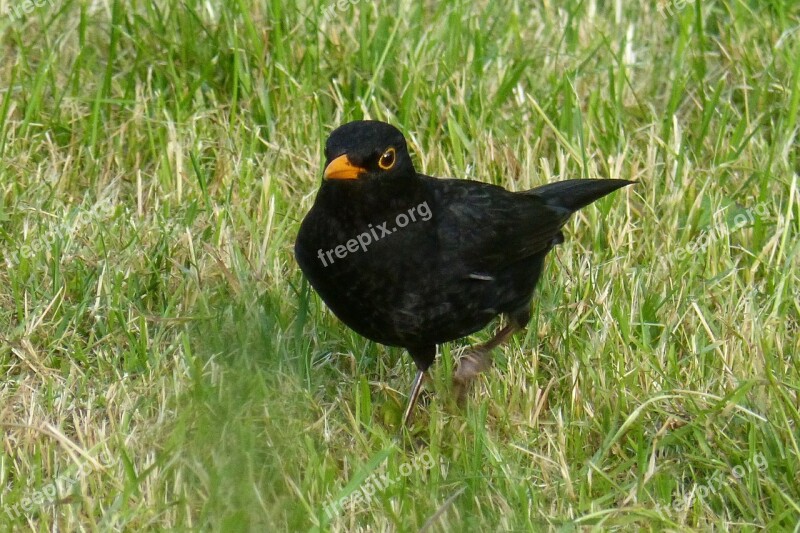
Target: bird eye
[{"x": 387, "y": 159}]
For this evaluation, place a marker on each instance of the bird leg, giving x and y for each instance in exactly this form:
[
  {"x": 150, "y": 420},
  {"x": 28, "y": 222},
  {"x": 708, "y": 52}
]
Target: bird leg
[
  {"x": 416, "y": 388},
  {"x": 476, "y": 360}
]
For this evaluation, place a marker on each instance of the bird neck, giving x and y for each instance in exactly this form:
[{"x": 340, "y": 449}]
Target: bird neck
[{"x": 354, "y": 199}]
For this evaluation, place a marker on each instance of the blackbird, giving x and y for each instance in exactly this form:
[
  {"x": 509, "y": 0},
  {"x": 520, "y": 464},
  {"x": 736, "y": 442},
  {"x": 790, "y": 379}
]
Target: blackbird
[{"x": 409, "y": 260}]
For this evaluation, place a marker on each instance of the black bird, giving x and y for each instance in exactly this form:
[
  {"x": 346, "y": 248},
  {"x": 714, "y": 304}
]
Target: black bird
[{"x": 410, "y": 260}]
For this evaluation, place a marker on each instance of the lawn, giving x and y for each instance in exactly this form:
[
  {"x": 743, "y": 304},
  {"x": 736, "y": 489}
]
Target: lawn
[{"x": 166, "y": 367}]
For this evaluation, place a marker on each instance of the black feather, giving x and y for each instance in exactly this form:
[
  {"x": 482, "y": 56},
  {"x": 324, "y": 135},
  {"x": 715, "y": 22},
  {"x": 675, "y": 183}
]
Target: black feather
[{"x": 575, "y": 194}]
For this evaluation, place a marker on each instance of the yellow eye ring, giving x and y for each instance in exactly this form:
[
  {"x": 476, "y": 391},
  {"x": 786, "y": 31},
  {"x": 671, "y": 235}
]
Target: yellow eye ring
[{"x": 387, "y": 159}]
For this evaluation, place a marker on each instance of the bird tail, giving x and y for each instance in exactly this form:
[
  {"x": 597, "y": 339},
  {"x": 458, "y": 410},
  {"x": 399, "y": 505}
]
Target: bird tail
[{"x": 575, "y": 194}]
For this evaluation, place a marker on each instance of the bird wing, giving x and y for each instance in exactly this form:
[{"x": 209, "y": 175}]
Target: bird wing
[{"x": 484, "y": 228}]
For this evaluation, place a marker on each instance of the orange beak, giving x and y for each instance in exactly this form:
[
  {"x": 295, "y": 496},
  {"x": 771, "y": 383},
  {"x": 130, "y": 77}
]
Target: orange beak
[{"x": 342, "y": 169}]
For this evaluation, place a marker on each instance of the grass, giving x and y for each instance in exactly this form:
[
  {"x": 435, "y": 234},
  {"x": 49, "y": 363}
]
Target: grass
[{"x": 166, "y": 367}]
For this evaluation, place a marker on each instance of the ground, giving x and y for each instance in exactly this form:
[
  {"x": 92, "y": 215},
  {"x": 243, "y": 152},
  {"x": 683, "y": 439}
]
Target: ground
[{"x": 165, "y": 366}]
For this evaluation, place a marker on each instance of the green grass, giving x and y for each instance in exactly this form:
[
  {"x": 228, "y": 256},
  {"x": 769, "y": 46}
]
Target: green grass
[{"x": 165, "y": 366}]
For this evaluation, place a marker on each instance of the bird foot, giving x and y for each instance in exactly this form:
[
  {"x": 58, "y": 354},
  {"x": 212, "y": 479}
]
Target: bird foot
[{"x": 470, "y": 364}]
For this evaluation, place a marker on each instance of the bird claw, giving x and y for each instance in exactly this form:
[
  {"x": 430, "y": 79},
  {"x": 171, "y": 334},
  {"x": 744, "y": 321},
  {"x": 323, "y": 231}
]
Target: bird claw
[{"x": 470, "y": 365}]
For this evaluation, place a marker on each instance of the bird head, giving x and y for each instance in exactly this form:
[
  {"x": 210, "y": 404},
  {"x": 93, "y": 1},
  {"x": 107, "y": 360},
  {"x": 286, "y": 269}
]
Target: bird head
[{"x": 366, "y": 150}]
